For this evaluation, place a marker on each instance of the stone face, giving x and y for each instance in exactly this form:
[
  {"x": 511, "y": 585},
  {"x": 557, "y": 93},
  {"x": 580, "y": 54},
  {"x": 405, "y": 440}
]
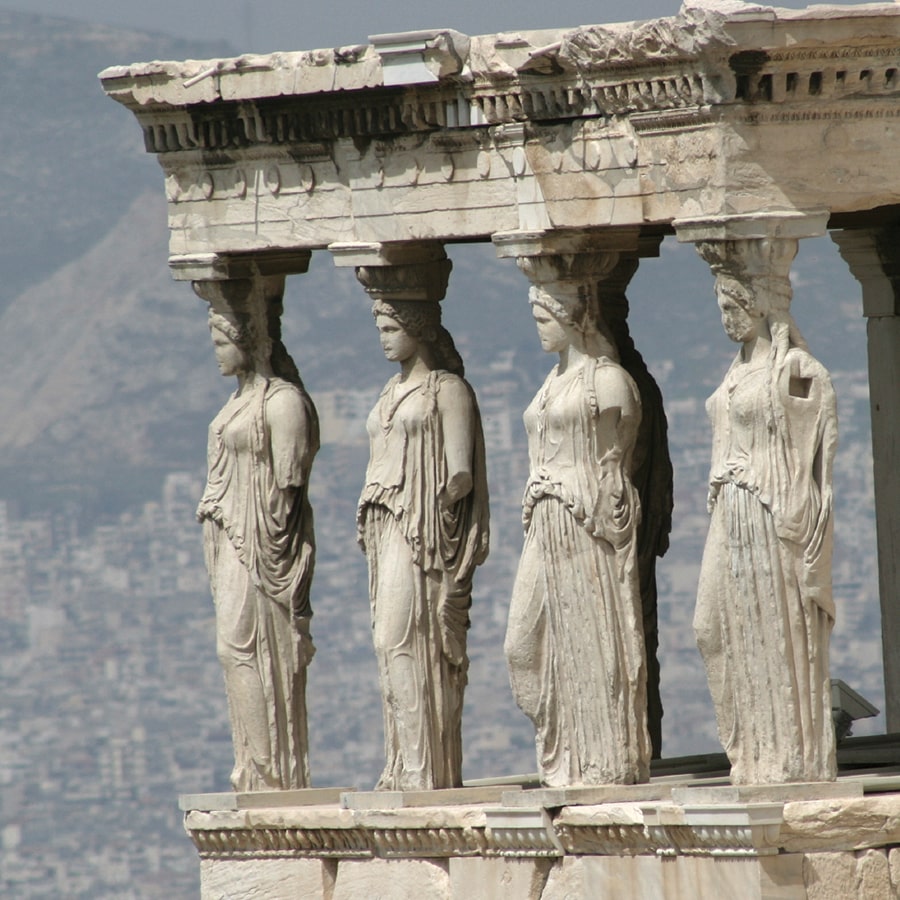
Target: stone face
[
  {"x": 423, "y": 524},
  {"x": 764, "y": 607},
  {"x": 258, "y": 535}
]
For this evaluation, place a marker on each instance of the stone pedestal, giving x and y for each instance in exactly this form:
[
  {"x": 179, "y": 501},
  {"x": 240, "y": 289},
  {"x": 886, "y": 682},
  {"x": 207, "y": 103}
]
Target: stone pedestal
[{"x": 809, "y": 842}]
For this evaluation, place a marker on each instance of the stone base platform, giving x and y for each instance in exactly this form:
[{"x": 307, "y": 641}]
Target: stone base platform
[{"x": 704, "y": 842}]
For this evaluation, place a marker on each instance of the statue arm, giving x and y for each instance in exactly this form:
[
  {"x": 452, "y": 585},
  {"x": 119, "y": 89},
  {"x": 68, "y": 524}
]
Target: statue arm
[
  {"x": 618, "y": 416},
  {"x": 809, "y": 379},
  {"x": 289, "y": 431},
  {"x": 457, "y": 416}
]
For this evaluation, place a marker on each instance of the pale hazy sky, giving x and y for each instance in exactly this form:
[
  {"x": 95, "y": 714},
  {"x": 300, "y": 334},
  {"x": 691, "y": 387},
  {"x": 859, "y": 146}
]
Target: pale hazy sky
[{"x": 266, "y": 25}]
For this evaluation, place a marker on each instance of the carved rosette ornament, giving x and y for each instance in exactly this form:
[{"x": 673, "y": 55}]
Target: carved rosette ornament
[{"x": 764, "y": 608}]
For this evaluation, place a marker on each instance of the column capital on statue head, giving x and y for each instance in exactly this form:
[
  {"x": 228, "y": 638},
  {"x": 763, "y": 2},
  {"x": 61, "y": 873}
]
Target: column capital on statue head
[
  {"x": 402, "y": 270},
  {"x": 790, "y": 224},
  {"x": 568, "y": 259},
  {"x": 565, "y": 241},
  {"x": 393, "y": 253},
  {"x": 236, "y": 266},
  {"x": 752, "y": 254}
]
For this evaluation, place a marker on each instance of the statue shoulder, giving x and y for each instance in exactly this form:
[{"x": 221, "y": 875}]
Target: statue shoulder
[
  {"x": 285, "y": 401},
  {"x": 452, "y": 389},
  {"x": 802, "y": 362},
  {"x": 614, "y": 387},
  {"x": 805, "y": 377}
]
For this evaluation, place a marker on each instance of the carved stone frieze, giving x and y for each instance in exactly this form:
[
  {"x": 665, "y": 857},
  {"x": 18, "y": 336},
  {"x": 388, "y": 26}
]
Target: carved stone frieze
[
  {"x": 521, "y": 832},
  {"x": 634, "y": 124},
  {"x": 605, "y": 840},
  {"x": 261, "y": 842},
  {"x": 684, "y": 840},
  {"x": 745, "y": 829},
  {"x": 741, "y": 830},
  {"x": 427, "y": 842},
  {"x": 809, "y": 820},
  {"x": 364, "y": 841}
]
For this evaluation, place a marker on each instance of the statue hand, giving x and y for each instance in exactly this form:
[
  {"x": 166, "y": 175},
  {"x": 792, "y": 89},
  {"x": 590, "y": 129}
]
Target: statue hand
[
  {"x": 303, "y": 642},
  {"x": 458, "y": 486}
]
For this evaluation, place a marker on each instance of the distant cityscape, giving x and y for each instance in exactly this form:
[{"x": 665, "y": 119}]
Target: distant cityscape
[{"x": 108, "y": 651}]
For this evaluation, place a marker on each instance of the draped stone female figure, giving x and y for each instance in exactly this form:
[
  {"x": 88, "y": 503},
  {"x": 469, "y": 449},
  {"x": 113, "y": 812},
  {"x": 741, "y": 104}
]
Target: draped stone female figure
[
  {"x": 423, "y": 524},
  {"x": 574, "y": 643},
  {"x": 259, "y": 547},
  {"x": 764, "y": 608}
]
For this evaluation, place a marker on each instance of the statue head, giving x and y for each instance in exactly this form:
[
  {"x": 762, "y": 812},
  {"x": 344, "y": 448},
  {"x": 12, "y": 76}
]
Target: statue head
[
  {"x": 246, "y": 333},
  {"x": 420, "y": 322},
  {"x": 742, "y": 316},
  {"x": 570, "y": 318},
  {"x": 753, "y": 286},
  {"x": 232, "y": 342}
]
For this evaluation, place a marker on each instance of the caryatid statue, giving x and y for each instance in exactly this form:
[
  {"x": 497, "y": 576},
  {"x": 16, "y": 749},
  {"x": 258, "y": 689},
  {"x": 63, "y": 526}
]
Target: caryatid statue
[
  {"x": 258, "y": 534},
  {"x": 574, "y": 643},
  {"x": 764, "y": 608},
  {"x": 423, "y": 524}
]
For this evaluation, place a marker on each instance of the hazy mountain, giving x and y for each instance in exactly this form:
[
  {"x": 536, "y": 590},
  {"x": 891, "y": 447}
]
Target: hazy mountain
[
  {"x": 72, "y": 161},
  {"x": 107, "y": 383}
]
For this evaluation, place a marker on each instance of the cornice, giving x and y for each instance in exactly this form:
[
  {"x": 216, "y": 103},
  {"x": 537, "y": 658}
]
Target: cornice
[
  {"x": 738, "y": 830},
  {"x": 799, "y": 84},
  {"x": 703, "y": 57}
]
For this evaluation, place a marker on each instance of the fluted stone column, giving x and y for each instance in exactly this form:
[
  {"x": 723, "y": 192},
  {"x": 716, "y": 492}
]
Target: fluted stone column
[{"x": 873, "y": 255}]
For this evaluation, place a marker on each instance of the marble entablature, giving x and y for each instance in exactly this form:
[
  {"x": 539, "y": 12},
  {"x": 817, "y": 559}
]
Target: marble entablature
[{"x": 723, "y": 110}]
